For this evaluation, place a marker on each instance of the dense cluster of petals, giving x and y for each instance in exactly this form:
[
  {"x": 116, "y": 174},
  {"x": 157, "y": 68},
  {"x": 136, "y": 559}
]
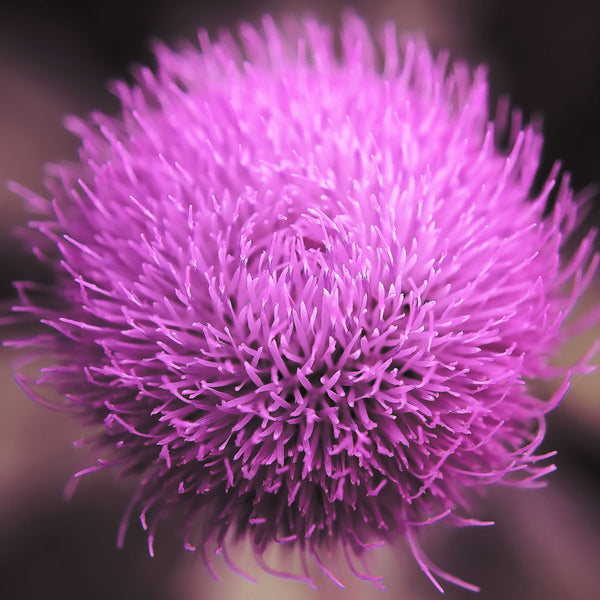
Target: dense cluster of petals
[{"x": 301, "y": 287}]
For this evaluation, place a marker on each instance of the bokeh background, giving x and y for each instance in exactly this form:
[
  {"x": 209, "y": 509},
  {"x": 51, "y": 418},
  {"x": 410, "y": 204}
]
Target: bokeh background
[{"x": 55, "y": 59}]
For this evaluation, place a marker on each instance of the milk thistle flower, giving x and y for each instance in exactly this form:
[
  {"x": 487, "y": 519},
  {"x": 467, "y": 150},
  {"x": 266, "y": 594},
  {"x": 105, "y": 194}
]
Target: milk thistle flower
[{"x": 304, "y": 292}]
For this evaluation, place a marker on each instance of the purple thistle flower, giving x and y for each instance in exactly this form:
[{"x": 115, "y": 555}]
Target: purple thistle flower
[{"x": 302, "y": 293}]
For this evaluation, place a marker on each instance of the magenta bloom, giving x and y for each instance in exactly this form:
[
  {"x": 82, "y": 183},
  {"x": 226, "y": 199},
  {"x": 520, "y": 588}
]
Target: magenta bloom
[{"x": 304, "y": 292}]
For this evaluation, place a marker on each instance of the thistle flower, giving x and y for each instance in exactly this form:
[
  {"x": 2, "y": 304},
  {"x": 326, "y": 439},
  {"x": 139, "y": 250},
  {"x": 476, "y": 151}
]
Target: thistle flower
[{"x": 304, "y": 292}]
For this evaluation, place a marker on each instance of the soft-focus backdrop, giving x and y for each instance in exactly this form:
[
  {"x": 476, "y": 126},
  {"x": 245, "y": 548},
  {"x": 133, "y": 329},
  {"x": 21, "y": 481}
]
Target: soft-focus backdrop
[{"x": 56, "y": 58}]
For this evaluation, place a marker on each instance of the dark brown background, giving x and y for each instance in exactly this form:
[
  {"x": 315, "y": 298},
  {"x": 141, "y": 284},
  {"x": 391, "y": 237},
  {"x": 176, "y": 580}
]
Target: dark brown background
[{"x": 55, "y": 58}]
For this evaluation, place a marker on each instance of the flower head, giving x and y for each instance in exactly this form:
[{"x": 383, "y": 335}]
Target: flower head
[{"x": 302, "y": 290}]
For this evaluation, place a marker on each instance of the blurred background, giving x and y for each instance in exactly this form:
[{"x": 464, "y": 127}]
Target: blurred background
[{"x": 55, "y": 59}]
